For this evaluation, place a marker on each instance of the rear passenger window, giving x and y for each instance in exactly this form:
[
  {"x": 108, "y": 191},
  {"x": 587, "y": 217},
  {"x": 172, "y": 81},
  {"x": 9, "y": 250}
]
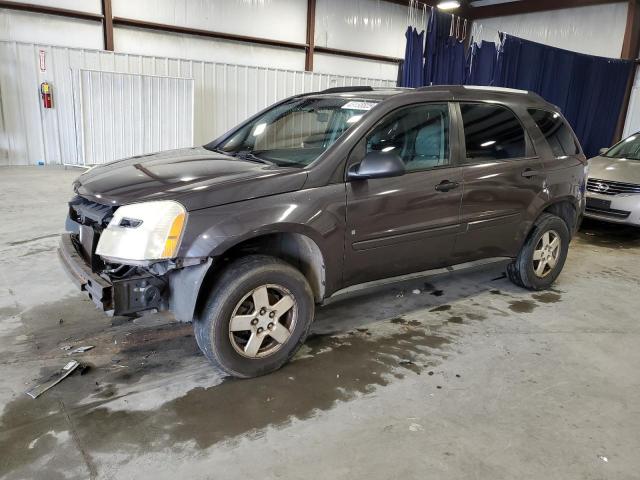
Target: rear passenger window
[
  {"x": 556, "y": 131},
  {"x": 492, "y": 132}
]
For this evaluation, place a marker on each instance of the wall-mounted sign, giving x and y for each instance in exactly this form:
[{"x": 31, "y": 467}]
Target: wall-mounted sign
[{"x": 43, "y": 61}]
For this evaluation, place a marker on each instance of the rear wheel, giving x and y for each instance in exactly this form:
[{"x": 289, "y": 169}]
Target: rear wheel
[
  {"x": 256, "y": 317},
  {"x": 542, "y": 257}
]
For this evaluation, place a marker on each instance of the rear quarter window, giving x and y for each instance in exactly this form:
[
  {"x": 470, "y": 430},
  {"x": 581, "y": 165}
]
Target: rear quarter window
[{"x": 556, "y": 131}]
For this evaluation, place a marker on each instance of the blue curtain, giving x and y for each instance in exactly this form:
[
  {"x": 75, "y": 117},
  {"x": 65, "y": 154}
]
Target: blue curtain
[
  {"x": 482, "y": 63},
  {"x": 445, "y": 62},
  {"x": 412, "y": 69},
  {"x": 588, "y": 89}
]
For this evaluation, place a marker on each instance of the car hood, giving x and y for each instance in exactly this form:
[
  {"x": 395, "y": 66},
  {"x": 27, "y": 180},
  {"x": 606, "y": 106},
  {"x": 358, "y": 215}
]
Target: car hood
[
  {"x": 615, "y": 169},
  {"x": 196, "y": 177}
]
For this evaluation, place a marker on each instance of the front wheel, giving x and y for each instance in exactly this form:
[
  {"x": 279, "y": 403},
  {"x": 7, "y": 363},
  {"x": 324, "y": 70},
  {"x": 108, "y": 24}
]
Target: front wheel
[
  {"x": 542, "y": 257},
  {"x": 256, "y": 317}
]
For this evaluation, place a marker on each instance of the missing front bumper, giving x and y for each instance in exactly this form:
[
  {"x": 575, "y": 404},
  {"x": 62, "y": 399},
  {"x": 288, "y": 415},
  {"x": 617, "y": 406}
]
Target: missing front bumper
[{"x": 113, "y": 296}]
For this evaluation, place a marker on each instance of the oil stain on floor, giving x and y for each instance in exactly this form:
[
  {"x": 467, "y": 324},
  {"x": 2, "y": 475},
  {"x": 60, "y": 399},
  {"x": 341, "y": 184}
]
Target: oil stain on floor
[
  {"x": 99, "y": 411},
  {"x": 330, "y": 369}
]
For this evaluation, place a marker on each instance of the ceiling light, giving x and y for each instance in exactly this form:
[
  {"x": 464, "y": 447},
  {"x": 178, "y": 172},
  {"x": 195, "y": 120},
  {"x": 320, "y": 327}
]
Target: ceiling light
[{"x": 449, "y": 5}]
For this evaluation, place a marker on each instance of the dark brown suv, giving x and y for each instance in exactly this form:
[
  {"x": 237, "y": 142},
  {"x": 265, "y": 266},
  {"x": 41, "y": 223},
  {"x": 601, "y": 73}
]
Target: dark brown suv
[{"x": 320, "y": 192}]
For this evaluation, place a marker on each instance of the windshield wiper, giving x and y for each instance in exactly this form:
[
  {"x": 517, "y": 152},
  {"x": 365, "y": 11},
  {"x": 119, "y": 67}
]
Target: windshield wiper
[{"x": 249, "y": 155}]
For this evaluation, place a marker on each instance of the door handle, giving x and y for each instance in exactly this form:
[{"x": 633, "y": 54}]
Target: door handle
[
  {"x": 530, "y": 172},
  {"x": 446, "y": 185}
]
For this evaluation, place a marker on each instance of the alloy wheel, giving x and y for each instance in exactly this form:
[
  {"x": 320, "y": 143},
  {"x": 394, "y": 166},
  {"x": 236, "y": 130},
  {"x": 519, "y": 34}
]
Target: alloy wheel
[
  {"x": 546, "y": 253},
  {"x": 262, "y": 321}
]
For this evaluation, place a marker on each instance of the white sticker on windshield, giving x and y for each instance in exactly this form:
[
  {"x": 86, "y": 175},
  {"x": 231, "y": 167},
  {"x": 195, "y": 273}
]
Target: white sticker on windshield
[{"x": 359, "y": 105}]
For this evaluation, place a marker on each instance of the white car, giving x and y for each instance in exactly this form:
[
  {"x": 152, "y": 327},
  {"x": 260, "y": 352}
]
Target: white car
[{"x": 613, "y": 185}]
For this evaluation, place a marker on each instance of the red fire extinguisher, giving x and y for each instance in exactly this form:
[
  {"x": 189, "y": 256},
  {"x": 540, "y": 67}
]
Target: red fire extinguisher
[{"x": 45, "y": 92}]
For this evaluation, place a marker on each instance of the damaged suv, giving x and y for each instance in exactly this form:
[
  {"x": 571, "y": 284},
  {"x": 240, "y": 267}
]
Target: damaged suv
[{"x": 319, "y": 192}]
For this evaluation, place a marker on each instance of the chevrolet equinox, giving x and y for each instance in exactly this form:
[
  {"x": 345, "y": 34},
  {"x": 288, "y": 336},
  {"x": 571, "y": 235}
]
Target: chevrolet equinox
[{"x": 321, "y": 191}]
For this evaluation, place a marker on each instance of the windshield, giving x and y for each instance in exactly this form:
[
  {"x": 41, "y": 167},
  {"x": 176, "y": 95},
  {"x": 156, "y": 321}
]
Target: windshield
[
  {"x": 628, "y": 148},
  {"x": 295, "y": 132}
]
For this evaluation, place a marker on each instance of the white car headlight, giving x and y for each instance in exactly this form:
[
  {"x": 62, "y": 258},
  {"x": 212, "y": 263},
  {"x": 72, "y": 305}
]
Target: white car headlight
[{"x": 144, "y": 231}]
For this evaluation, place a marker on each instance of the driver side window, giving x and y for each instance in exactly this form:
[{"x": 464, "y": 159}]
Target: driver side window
[{"x": 418, "y": 134}]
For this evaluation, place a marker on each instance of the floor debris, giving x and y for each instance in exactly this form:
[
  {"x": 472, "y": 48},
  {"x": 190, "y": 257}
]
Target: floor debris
[
  {"x": 603, "y": 458},
  {"x": 38, "y": 390},
  {"x": 82, "y": 349}
]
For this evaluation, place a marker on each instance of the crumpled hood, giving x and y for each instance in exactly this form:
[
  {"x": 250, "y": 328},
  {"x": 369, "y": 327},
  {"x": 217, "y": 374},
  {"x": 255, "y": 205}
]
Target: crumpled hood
[
  {"x": 196, "y": 177},
  {"x": 615, "y": 169}
]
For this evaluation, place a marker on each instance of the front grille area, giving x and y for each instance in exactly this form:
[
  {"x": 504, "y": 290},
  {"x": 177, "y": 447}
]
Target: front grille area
[
  {"x": 609, "y": 187},
  {"x": 89, "y": 220},
  {"x": 86, "y": 212}
]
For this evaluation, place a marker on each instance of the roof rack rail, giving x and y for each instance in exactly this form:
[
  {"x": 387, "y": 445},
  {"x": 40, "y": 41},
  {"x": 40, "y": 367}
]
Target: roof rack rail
[{"x": 360, "y": 88}]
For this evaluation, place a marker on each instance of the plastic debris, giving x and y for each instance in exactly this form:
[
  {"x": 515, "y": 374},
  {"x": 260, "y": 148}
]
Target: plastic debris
[
  {"x": 416, "y": 427},
  {"x": 38, "y": 390},
  {"x": 82, "y": 349}
]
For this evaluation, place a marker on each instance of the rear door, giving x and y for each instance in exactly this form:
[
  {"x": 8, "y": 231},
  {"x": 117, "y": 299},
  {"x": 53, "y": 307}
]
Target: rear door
[
  {"x": 503, "y": 180},
  {"x": 405, "y": 224}
]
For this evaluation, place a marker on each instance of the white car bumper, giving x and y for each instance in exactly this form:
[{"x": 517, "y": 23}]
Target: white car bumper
[{"x": 623, "y": 208}]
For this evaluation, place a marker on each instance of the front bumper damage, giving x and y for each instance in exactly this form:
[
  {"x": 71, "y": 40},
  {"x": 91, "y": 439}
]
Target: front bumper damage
[
  {"x": 114, "y": 296},
  {"x": 178, "y": 290}
]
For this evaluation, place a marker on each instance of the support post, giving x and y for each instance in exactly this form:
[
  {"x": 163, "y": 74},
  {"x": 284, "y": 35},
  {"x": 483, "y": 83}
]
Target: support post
[
  {"x": 311, "y": 33},
  {"x": 107, "y": 25},
  {"x": 630, "y": 51}
]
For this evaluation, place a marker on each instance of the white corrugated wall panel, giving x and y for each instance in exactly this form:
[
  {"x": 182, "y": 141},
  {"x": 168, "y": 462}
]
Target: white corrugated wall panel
[
  {"x": 125, "y": 114},
  {"x": 224, "y": 95}
]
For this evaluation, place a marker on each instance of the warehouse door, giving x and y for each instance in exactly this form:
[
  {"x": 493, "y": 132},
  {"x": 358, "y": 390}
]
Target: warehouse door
[{"x": 120, "y": 115}]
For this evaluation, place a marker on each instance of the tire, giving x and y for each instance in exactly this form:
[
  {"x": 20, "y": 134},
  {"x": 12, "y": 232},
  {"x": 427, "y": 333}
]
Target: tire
[
  {"x": 232, "y": 304},
  {"x": 522, "y": 271}
]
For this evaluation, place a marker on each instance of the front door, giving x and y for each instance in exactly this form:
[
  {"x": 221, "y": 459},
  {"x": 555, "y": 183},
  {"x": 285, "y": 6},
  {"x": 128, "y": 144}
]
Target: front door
[
  {"x": 503, "y": 181},
  {"x": 405, "y": 224}
]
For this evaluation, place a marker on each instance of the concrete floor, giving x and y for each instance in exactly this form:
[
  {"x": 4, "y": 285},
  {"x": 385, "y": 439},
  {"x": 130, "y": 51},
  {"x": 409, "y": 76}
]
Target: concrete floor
[{"x": 455, "y": 375}]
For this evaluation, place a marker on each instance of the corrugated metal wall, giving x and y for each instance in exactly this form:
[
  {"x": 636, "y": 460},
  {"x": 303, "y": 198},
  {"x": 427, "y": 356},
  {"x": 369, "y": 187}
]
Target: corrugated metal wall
[
  {"x": 224, "y": 95},
  {"x": 111, "y": 109}
]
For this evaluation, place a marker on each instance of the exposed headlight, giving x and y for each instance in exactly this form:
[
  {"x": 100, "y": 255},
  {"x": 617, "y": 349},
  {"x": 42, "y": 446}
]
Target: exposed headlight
[{"x": 144, "y": 231}]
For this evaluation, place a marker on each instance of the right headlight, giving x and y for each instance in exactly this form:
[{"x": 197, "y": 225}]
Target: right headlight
[{"x": 144, "y": 231}]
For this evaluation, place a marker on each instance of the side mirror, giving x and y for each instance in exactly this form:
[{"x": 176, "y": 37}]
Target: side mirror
[
  {"x": 377, "y": 165},
  {"x": 602, "y": 151}
]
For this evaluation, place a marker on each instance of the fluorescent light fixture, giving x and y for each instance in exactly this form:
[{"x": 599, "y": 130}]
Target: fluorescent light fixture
[
  {"x": 259, "y": 129},
  {"x": 449, "y": 5},
  {"x": 488, "y": 144},
  {"x": 387, "y": 149}
]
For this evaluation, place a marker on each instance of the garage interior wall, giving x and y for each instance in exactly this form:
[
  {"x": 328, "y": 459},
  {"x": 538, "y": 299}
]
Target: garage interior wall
[
  {"x": 369, "y": 26},
  {"x": 594, "y": 30},
  {"x": 225, "y": 94}
]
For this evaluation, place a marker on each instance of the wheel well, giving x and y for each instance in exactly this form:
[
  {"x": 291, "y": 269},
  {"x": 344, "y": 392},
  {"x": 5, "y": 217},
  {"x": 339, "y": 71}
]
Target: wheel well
[
  {"x": 566, "y": 211},
  {"x": 294, "y": 248}
]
